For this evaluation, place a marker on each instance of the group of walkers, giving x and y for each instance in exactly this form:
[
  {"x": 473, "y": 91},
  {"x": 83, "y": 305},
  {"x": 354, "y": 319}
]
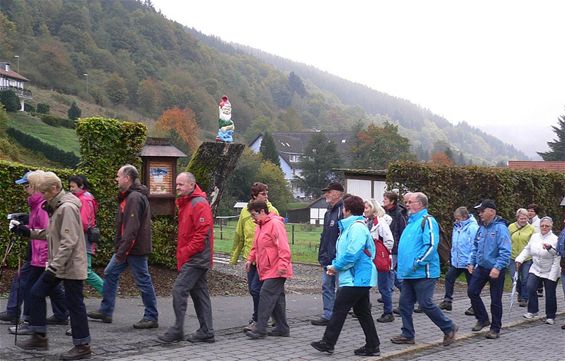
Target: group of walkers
[{"x": 362, "y": 245}]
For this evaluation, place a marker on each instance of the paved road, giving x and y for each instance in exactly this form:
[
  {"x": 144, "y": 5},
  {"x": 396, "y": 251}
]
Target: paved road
[{"x": 119, "y": 341}]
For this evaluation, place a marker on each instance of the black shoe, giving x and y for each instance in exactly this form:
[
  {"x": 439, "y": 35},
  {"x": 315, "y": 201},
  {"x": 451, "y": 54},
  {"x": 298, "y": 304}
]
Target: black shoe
[
  {"x": 379, "y": 300},
  {"x": 78, "y": 352},
  {"x": 278, "y": 333},
  {"x": 396, "y": 310},
  {"x": 23, "y": 329},
  {"x": 480, "y": 325},
  {"x": 386, "y": 317},
  {"x": 492, "y": 335},
  {"x": 367, "y": 351},
  {"x": 540, "y": 292},
  {"x": 96, "y": 315},
  {"x": 52, "y": 320},
  {"x": 254, "y": 335},
  {"x": 320, "y": 322},
  {"x": 446, "y": 305},
  {"x": 69, "y": 332},
  {"x": 523, "y": 303},
  {"x": 470, "y": 311},
  {"x": 197, "y": 338},
  {"x": 418, "y": 310},
  {"x": 145, "y": 323},
  {"x": 35, "y": 342},
  {"x": 401, "y": 340},
  {"x": 7, "y": 317},
  {"x": 170, "y": 337},
  {"x": 323, "y": 346}
]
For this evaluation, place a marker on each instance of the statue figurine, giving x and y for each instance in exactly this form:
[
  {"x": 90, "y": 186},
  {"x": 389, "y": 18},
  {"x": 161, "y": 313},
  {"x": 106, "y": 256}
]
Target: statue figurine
[{"x": 225, "y": 124}]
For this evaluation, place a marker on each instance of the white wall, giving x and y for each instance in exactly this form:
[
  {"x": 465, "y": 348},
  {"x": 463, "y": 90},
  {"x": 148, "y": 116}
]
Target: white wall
[{"x": 362, "y": 188}]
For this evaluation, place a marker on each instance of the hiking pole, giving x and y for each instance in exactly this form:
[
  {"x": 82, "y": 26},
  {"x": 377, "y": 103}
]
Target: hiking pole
[{"x": 513, "y": 293}]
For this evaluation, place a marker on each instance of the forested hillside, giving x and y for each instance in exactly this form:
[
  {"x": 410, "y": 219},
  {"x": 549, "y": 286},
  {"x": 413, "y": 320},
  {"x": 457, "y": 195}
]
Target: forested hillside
[{"x": 124, "y": 55}]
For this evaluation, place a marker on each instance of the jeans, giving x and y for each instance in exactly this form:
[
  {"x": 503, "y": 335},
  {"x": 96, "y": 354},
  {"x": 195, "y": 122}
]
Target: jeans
[
  {"x": 523, "y": 274},
  {"x": 385, "y": 288},
  {"x": 421, "y": 290},
  {"x": 563, "y": 283},
  {"x": 192, "y": 281},
  {"x": 450, "y": 278},
  {"x": 550, "y": 295},
  {"x": 272, "y": 302},
  {"x": 479, "y": 279},
  {"x": 16, "y": 297},
  {"x": 358, "y": 298},
  {"x": 56, "y": 294},
  {"x": 254, "y": 286},
  {"x": 328, "y": 293},
  {"x": 73, "y": 300},
  {"x": 92, "y": 278},
  {"x": 140, "y": 272},
  {"x": 395, "y": 280}
]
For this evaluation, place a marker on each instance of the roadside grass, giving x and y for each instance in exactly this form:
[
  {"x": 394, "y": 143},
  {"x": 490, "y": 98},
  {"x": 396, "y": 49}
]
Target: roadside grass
[{"x": 62, "y": 138}]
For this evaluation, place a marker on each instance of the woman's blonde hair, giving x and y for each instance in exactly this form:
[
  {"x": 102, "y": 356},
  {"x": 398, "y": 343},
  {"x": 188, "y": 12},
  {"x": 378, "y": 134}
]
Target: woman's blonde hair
[
  {"x": 377, "y": 209},
  {"x": 41, "y": 181}
]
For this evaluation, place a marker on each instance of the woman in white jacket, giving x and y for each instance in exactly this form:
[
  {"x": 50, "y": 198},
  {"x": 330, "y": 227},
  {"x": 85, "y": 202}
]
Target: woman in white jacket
[{"x": 545, "y": 269}]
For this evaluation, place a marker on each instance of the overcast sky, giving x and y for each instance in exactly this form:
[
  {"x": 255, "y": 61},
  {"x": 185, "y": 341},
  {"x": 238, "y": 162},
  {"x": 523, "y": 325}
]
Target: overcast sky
[{"x": 499, "y": 65}]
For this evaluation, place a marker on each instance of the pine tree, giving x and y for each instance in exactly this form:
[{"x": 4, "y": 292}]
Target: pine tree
[
  {"x": 557, "y": 146},
  {"x": 74, "y": 112},
  {"x": 269, "y": 150}
]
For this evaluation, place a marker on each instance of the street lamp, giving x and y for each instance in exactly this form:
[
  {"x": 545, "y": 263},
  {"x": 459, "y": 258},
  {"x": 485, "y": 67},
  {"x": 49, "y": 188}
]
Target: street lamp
[
  {"x": 86, "y": 76},
  {"x": 18, "y": 62}
]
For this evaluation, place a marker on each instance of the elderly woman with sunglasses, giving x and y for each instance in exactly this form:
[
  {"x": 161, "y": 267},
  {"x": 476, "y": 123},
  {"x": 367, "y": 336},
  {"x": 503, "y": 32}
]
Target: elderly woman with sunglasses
[{"x": 545, "y": 269}]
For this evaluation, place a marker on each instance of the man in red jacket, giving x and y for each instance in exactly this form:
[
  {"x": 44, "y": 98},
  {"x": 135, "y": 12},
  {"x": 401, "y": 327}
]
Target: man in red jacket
[{"x": 195, "y": 248}]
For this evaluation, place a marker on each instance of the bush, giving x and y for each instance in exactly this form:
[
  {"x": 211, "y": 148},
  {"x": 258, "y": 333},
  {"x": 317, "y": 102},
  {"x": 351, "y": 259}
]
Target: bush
[
  {"x": 29, "y": 108},
  {"x": 55, "y": 154},
  {"x": 43, "y": 108},
  {"x": 74, "y": 112},
  {"x": 10, "y": 100},
  {"x": 58, "y": 122}
]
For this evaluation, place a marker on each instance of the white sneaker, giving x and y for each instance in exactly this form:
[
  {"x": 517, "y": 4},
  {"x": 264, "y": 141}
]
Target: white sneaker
[
  {"x": 530, "y": 315},
  {"x": 550, "y": 321}
]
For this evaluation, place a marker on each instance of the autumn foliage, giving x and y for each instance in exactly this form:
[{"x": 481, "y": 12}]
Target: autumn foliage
[{"x": 182, "y": 122}]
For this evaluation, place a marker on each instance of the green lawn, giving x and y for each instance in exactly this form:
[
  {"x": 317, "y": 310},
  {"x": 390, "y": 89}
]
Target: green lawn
[
  {"x": 62, "y": 138},
  {"x": 304, "y": 246}
]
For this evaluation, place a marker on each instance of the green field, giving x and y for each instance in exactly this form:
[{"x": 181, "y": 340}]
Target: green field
[
  {"x": 304, "y": 246},
  {"x": 62, "y": 138}
]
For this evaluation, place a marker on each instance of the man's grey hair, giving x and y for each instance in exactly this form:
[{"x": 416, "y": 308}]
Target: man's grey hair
[
  {"x": 189, "y": 176},
  {"x": 131, "y": 172},
  {"x": 422, "y": 198},
  {"x": 461, "y": 212}
]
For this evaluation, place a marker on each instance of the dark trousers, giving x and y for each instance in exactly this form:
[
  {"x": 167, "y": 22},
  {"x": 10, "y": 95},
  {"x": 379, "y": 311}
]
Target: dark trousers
[
  {"x": 192, "y": 281},
  {"x": 57, "y": 296},
  {"x": 254, "y": 286},
  {"x": 358, "y": 298},
  {"x": 272, "y": 302},
  {"x": 479, "y": 279},
  {"x": 534, "y": 283},
  {"x": 73, "y": 300},
  {"x": 450, "y": 278},
  {"x": 16, "y": 297}
]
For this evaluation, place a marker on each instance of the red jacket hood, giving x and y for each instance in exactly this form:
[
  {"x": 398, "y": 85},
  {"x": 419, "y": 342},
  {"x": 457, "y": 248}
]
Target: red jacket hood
[{"x": 197, "y": 192}]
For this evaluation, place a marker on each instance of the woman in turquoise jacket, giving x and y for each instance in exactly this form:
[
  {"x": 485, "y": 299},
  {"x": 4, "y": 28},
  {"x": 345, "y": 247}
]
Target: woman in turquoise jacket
[{"x": 356, "y": 275}]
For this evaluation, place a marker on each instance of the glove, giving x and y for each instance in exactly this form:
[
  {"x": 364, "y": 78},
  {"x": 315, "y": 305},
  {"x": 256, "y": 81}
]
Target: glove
[
  {"x": 13, "y": 225},
  {"x": 21, "y": 231}
]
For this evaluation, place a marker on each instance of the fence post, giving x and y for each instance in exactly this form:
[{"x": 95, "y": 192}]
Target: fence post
[
  {"x": 293, "y": 234},
  {"x": 221, "y": 229}
]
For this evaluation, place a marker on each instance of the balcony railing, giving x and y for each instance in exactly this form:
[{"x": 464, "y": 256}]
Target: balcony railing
[{"x": 22, "y": 93}]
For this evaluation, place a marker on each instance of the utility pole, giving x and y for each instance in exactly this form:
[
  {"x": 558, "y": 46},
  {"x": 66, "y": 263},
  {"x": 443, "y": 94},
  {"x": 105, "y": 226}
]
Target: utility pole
[
  {"x": 86, "y": 76},
  {"x": 18, "y": 62}
]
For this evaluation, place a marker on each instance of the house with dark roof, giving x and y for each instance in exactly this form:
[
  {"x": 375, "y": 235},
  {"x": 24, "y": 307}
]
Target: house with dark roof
[
  {"x": 291, "y": 147},
  {"x": 550, "y": 166},
  {"x": 10, "y": 80}
]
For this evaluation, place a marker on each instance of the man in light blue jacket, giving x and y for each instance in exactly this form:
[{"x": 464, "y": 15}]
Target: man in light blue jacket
[
  {"x": 489, "y": 259},
  {"x": 418, "y": 267}
]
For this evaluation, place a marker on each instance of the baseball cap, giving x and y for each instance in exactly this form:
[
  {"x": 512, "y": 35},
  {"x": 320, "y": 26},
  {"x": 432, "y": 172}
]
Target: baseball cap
[
  {"x": 334, "y": 186},
  {"x": 24, "y": 180},
  {"x": 486, "y": 203}
]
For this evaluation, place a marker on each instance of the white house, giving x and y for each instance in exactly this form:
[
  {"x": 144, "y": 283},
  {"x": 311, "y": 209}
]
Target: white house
[{"x": 10, "y": 80}]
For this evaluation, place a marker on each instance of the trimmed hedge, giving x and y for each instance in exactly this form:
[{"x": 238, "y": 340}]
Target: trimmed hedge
[
  {"x": 68, "y": 159},
  {"x": 58, "y": 122}
]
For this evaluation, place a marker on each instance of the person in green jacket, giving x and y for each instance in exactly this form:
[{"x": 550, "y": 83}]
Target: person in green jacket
[
  {"x": 520, "y": 233},
  {"x": 243, "y": 241}
]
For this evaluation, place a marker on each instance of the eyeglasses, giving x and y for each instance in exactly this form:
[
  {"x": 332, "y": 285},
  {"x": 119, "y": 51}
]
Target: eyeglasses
[
  {"x": 265, "y": 193},
  {"x": 545, "y": 226}
]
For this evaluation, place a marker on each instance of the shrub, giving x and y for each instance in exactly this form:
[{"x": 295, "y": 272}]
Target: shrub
[
  {"x": 58, "y": 122},
  {"x": 10, "y": 100},
  {"x": 29, "y": 108},
  {"x": 68, "y": 159},
  {"x": 43, "y": 108},
  {"x": 74, "y": 112}
]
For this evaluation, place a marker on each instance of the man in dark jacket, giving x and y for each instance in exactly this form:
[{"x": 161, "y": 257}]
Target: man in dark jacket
[
  {"x": 390, "y": 204},
  {"x": 333, "y": 194},
  {"x": 132, "y": 248},
  {"x": 195, "y": 248}
]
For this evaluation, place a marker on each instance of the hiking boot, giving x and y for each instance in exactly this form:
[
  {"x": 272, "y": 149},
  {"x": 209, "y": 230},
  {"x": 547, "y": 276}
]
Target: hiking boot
[
  {"x": 492, "y": 335},
  {"x": 8, "y": 317},
  {"x": 449, "y": 337},
  {"x": 401, "y": 340},
  {"x": 323, "y": 346},
  {"x": 97, "y": 315},
  {"x": 480, "y": 325},
  {"x": 170, "y": 337},
  {"x": 254, "y": 335},
  {"x": 23, "y": 329},
  {"x": 523, "y": 303},
  {"x": 52, "y": 320},
  {"x": 396, "y": 310},
  {"x": 35, "y": 342},
  {"x": 145, "y": 323},
  {"x": 549, "y": 321},
  {"x": 78, "y": 352},
  {"x": 367, "y": 351},
  {"x": 379, "y": 300},
  {"x": 251, "y": 326},
  {"x": 418, "y": 310},
  {"x": 540, "y": 292},
  {"x": 320, "y": 322},
  {"x": 278, "y": 333},
  {"x": 445, "y": 305},
  {"x": 470, "y": 311},
  {"x": 386, "y": 317},
  {"x": 530, "y": 315},
  {"x": 69, "y": 332},
  {"x": 198, "y": 338}
]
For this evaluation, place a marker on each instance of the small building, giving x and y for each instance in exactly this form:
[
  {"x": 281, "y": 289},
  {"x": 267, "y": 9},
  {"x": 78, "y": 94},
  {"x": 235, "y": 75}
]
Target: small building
[
  {"x": 10, "y": 80},
  {"x": 313, "y": 213},
  {"x": 365, "y": 183}
]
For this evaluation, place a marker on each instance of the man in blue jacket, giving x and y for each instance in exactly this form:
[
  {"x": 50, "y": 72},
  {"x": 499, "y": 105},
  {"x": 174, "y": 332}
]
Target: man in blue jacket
[
  {"x": 489, "y": 259},
  {"x": 326, "y": 253},
  {"x": 419, "y": 270}
]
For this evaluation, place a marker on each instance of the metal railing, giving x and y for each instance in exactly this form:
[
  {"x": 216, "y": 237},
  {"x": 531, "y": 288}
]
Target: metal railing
[{"x": 22, "y": 93}]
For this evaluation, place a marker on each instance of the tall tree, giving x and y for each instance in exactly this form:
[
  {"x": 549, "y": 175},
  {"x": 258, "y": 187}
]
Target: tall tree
[
  {"x": 557, "y": 146},
  {"x": 320, "y": 156},
  {"x": 183, "y": 123},
  {"x": 74, "y": 112},
  {"x": 269, "y": 150}
]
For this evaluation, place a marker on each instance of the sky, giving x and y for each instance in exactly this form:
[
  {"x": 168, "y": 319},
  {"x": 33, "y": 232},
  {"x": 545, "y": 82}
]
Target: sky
[{"x": 498, "y": 65}]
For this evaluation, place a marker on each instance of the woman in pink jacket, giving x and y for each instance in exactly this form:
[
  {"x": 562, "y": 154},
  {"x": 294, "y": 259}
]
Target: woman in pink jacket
[{"x": 271, "y": 254}]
